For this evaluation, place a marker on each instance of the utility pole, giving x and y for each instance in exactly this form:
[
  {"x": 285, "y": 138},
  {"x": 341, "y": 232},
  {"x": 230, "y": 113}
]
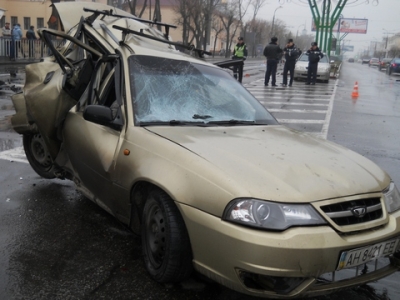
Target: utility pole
[{"x": 273, "y": 22}]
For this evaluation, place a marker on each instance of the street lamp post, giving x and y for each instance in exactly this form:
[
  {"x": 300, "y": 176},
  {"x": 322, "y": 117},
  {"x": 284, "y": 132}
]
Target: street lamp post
[
  {"x": 297, "y": 33},
  {"x": 387, "y": 38},
  {"x": 273, "y": 21}
]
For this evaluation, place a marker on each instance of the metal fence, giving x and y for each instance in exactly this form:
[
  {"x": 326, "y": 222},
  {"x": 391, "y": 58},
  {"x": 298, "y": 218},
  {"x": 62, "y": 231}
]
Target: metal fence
[{"x": 23, "y": 49}]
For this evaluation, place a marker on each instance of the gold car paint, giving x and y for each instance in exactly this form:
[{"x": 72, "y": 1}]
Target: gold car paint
[
  {"x": 279, "y": 164},
  {"x": 295, "y": 252}
]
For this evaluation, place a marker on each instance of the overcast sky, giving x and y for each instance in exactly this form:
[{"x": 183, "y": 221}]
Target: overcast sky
[{"x": 381, "y": 14}]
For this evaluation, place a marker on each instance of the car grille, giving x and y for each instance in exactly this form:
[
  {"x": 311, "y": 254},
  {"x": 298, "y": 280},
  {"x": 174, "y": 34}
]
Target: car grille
[{"x": 354, "y": 212}]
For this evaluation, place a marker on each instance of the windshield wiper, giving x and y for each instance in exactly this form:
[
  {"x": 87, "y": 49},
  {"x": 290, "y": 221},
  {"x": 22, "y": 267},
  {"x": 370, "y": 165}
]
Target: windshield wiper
[
  {"x": 233, "y": 122},
  {"x": 171, "y": 122},
  {"x": 203, "y": 117}
]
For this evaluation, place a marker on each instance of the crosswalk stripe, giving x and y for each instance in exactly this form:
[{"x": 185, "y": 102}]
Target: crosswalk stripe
[
  {"x": 279, "y": 110},
  {"x": 16, "y": 154},
  {"x": 287, "y": 100}
]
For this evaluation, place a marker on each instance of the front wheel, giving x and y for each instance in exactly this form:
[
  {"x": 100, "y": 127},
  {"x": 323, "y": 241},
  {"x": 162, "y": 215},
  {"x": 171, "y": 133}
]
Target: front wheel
[
  {"x": 38, "y": 155},
  {"x": 165, "y": 241}
]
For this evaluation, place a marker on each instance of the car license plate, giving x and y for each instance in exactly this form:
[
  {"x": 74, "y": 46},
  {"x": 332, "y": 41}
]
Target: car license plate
[{"x": 356, "y": 257}]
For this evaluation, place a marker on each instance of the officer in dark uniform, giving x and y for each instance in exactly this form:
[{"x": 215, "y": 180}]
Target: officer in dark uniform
[
  {"x": 273, "y": 54},
  {"x": 292, "y": 53},
  {"x": 314, "y": 55},
  {"x": 239, "y": 52}
]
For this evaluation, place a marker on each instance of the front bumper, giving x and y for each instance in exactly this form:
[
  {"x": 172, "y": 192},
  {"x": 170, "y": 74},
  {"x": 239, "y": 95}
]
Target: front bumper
[
  {"x": 303, "y": 74},
  {"x": 237, "y": 256}
]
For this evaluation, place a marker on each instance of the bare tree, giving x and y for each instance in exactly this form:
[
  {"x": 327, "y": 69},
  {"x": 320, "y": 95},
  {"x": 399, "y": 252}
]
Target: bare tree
[
  {"x": 231, "y": 14},
  {"x": 218, "y": 29},
  {"x": 257, "y": 33},
  {"x": 132, "y": 4},
  {"x": 195, "y": 16},
  {"x": 257, "y": 5},
  {"x": 394, "y": 51}
]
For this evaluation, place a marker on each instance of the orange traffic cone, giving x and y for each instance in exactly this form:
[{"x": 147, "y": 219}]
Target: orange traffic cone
[{"x": 354, "y": 94}]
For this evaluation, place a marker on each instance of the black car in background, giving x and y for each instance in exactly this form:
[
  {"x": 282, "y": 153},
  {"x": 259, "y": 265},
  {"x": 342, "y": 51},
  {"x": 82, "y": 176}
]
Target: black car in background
[
  {"x": 384, "y": 63},
  {"x": 393, "y": 67}
]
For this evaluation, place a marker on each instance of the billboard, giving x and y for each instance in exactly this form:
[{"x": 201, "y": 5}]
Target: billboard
[
  {"x": 353, "y": 25},
  {"x": 347, "y": 25}
]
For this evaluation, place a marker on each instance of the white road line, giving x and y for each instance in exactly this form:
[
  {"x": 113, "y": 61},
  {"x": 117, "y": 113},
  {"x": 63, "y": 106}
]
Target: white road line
[
  {"x": 300, "y": 121},
  {"x": 318, "y": 96},
  {"x": 280, "y": 110},
  {"x": 325, "y": 127},
  {"x": 16, "y": 154},
  {"x": 293, "y": 103},
  {"x": 291, "y": 98}
]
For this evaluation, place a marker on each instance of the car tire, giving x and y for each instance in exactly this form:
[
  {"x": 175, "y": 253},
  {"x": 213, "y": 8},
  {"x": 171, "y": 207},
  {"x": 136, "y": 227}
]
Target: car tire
[
  {"x": 165, "y": 241},
  {"x": 38, "y": 155}
]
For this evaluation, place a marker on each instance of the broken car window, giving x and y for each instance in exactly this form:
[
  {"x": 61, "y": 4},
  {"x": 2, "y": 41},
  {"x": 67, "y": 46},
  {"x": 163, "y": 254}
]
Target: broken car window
[{"x": 166, "y": 90}]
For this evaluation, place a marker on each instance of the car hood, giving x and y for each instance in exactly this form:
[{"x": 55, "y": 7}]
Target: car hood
[
  {"x": 280, "y": 164},
  {"x": 70, "y": 15},
  {"x": 305, "y": 64}
]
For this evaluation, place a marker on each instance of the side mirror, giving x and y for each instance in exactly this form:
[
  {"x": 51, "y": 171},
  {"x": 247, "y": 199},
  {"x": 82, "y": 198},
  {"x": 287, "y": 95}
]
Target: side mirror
[{"x": 98, "y": 114}]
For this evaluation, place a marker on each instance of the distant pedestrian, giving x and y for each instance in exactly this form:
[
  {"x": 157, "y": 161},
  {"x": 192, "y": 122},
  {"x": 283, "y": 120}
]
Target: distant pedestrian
[
  {"x": 31, "y": 36},
  {"x": 239, "y": 52},
  {"x": 6, "y": 32},
  {"x": 16, "y": 41},
  {"x": 273, "y": 53},
  {"x": 291, "y": 53},
  {"x": 314, "y": 56}
]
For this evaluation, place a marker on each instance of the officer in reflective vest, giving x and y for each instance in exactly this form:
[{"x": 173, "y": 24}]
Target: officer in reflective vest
[{"x": 239, "y": 52}]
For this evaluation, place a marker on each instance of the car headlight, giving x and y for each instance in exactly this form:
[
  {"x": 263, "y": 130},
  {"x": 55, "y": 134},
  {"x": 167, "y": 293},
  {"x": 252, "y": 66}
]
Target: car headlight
[
  {"x": 392, "y": 198},
  {"x": 271, "y": 215},
  {"x": 324, "y": 69}
]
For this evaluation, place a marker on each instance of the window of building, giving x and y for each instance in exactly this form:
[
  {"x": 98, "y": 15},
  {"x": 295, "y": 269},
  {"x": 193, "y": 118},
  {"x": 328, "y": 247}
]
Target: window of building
[
  {"x": 27, "y": 23},
  {"x": 3, "y": 21},
  {"x": 14, "y": 20},
  {"x": 39, "y": 23}
]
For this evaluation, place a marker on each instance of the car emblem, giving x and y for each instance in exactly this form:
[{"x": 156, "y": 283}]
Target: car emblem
[{"x": 359, "y": 211}]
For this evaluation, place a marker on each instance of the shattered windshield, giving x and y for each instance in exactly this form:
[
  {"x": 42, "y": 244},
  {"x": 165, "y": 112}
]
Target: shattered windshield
[{"x": 175, "y": 92}]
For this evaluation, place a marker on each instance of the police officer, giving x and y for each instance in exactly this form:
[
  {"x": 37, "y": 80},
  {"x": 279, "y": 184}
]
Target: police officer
[
  {"x": 314, "y": 55},
  {"x": 239, "y": 52},
  {"x": 273, "y": 54},
  {"x": 291, "y": 53}
]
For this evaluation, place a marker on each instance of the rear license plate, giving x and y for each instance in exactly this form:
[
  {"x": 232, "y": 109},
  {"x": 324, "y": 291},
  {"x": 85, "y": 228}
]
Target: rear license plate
[{"x": 359, "y": 256}]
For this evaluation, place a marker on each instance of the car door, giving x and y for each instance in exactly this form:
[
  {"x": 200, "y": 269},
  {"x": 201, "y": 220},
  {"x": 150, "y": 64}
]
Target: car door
[
  {"x": 87, "y": 148},
  {"x": 92, "y": 146}
]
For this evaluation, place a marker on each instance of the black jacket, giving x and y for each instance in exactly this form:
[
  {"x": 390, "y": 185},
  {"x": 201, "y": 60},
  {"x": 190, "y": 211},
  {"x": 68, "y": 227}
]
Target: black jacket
[
  {"x": 292, "y": 53},
  {"x": 272, "y": 51},
  {"x": 314, "y": 55}
]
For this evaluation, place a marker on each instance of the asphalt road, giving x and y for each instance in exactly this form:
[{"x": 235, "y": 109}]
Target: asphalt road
[{"x": 56, "y": 244}]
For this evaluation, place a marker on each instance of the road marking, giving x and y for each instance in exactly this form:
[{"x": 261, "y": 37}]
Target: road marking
[
  {"x": 16, "y": 154},
  {"x": 315, "y": 111},
  {"x": 320, "y": 95}
]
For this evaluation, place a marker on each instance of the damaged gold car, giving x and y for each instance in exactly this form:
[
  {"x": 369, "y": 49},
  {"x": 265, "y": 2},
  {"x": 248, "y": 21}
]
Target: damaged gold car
[{"x": 181, "y": 153}]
